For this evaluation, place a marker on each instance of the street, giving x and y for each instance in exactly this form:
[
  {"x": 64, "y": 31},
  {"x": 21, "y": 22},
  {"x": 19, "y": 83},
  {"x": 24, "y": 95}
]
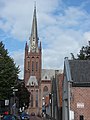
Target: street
[{"x": 35, "y": 118}]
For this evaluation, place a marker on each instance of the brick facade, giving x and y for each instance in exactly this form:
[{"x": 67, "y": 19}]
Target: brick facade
[
  {"x": 29, "y": 69},
  {"x": 80, "y": 102},
  {"x": 33, "y": 70},
  {"x": 60, "y": 81}
]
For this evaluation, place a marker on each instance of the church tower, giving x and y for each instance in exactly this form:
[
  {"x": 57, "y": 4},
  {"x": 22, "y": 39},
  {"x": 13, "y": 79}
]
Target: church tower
[
  {"x": 33, "y": 53},
  {"x": 38, "y": 87},
  {"x": 32, "y": 67}
]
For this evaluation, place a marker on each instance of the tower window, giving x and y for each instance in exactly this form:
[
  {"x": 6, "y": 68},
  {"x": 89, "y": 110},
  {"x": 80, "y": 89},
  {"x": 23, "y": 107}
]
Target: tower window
[
  {"x": 36, "y": 98},
  {"x": 28, "y": 65},
  {"x": 36, "y": 66},
  {"x": 31, "y": 98},
  {"x": 32, "y": 65}
]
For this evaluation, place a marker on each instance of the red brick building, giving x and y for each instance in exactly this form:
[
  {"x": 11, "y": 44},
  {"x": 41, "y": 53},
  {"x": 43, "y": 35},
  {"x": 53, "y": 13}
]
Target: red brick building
[
  {"x": 76, "y": 90},
  {"x": 37, "y": 80}
]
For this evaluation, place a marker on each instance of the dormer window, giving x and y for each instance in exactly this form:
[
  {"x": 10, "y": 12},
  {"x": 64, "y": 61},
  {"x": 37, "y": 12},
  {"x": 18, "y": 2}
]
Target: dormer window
[
  {"x": 45, "y": 77},
  {"x": 32, "y": 83}
]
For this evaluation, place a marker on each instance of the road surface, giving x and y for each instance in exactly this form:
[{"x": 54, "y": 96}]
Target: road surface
[{"x": 35, "y": 118}]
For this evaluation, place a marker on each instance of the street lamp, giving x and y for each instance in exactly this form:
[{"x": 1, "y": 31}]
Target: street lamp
[
  {"x": 14, "y": 104},
  {"x": 43, "y": 101},
  {"x": 43, "y": 107}
]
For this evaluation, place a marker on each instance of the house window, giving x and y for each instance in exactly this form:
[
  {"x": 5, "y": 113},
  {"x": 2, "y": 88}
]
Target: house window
[
  {"x": 81, "y": 117},
  {"x": 36, "y": 66}
]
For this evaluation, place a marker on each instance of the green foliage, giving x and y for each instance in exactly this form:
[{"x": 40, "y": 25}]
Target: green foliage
[
  {"x": 8, "y": 73},
  {"x": 23, "y": 95},
  {"x": 73, "y": 57},
  {"x": 84, "y": 53}
]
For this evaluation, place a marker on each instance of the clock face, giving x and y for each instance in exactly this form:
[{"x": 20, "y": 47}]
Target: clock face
[{"x": 33, "y": 47}]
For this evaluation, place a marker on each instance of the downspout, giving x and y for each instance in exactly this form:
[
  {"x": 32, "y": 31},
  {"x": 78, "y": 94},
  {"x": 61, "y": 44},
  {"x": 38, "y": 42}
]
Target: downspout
[
  {"x": 69, "y": 100},
  {"x": 68, "y": 85}
]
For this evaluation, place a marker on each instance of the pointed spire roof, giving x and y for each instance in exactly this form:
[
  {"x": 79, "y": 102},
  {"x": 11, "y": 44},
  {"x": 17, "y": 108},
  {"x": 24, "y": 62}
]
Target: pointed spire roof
[{"x": 34, "y": 34}]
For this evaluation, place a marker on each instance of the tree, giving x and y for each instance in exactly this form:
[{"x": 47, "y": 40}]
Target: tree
[
  {"x": 8, "y": 73},
  {"x": 84, "y": 53},
  {"x": 72, "y": 56},
  {"x": 23, "y": 95}
]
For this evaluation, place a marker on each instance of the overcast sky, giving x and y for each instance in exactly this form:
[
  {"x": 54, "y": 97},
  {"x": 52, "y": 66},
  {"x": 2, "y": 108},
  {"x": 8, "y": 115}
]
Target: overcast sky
[{"x": 63, "y": 28}]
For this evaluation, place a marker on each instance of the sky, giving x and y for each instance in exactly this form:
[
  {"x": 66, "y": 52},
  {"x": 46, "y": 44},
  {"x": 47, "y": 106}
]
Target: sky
[{"x": 63, "y": 28}]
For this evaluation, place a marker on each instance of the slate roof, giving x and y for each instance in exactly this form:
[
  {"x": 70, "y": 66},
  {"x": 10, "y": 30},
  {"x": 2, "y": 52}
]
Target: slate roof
[
  {"x": 80, "y": 71},
  {"x": 49, "y": 73}
]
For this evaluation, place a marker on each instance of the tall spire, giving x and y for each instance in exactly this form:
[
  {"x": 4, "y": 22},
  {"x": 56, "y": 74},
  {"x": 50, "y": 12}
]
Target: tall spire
[{"x": 34, "y": 35}]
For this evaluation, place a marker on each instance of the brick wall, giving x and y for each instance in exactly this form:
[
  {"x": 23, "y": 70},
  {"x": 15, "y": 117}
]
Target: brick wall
[
  {"x": 60, "y": 88},
  {"x": 80, "y": 102}
]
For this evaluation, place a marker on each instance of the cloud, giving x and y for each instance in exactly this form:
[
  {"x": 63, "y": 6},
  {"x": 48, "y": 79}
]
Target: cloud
[
  {"x": 62, "y": 30},
  {"x": 18, "y": 15},
  {"x": 87, "y": 36},
  {"x": 18, "y": 57}
]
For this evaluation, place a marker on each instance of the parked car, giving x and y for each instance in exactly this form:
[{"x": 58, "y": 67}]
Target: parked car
[
  {"x": 17, "y": 117},
  {"x": 25, "y": 116},
  {"x": 9, "y": 117}
]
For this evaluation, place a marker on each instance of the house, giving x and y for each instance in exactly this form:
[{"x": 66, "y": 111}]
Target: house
[{"x": 76, "y": 90}]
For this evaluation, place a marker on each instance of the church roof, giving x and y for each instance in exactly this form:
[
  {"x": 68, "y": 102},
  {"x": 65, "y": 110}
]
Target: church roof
[
  {"x": 47, "y": 74},
  {"x": 32, "y": 81},
  {"x": 34, "y": 34}
]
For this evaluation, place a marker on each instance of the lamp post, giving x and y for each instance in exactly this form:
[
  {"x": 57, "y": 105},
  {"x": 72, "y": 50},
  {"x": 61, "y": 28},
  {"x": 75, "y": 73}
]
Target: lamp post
[
  {"x": 14, "y": 102},
  {"x": 43, "y": 101},
  {"x": 43, "y": 107},
  {"x": 50, "y": 100}
]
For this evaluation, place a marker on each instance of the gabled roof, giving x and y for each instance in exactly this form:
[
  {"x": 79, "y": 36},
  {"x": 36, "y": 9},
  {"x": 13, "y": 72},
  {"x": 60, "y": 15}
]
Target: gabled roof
[
  {"x": 49, "y": 73},
  {"x": 80, "y": 71},
  {"x": 46, "y": 77},
  {"x": 67, "y": 70},
  {"x": 32, "y": 81}
]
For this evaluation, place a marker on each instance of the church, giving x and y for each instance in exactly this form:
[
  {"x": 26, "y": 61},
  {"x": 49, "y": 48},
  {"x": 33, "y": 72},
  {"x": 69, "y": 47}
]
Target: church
[{"x": 37, "y": 80}]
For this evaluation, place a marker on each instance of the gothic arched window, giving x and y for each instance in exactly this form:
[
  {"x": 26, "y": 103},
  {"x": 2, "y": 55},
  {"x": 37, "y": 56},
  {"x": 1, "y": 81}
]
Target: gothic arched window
[
  {"x": 31, "y": 98},
  {"x": 32, "y": 65},
  {"x": 28, "y": 65},
  {"x": 36, "y": 66},
  {"x": 45, "y": 89},
  {"x": 36, "y": 98}
]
